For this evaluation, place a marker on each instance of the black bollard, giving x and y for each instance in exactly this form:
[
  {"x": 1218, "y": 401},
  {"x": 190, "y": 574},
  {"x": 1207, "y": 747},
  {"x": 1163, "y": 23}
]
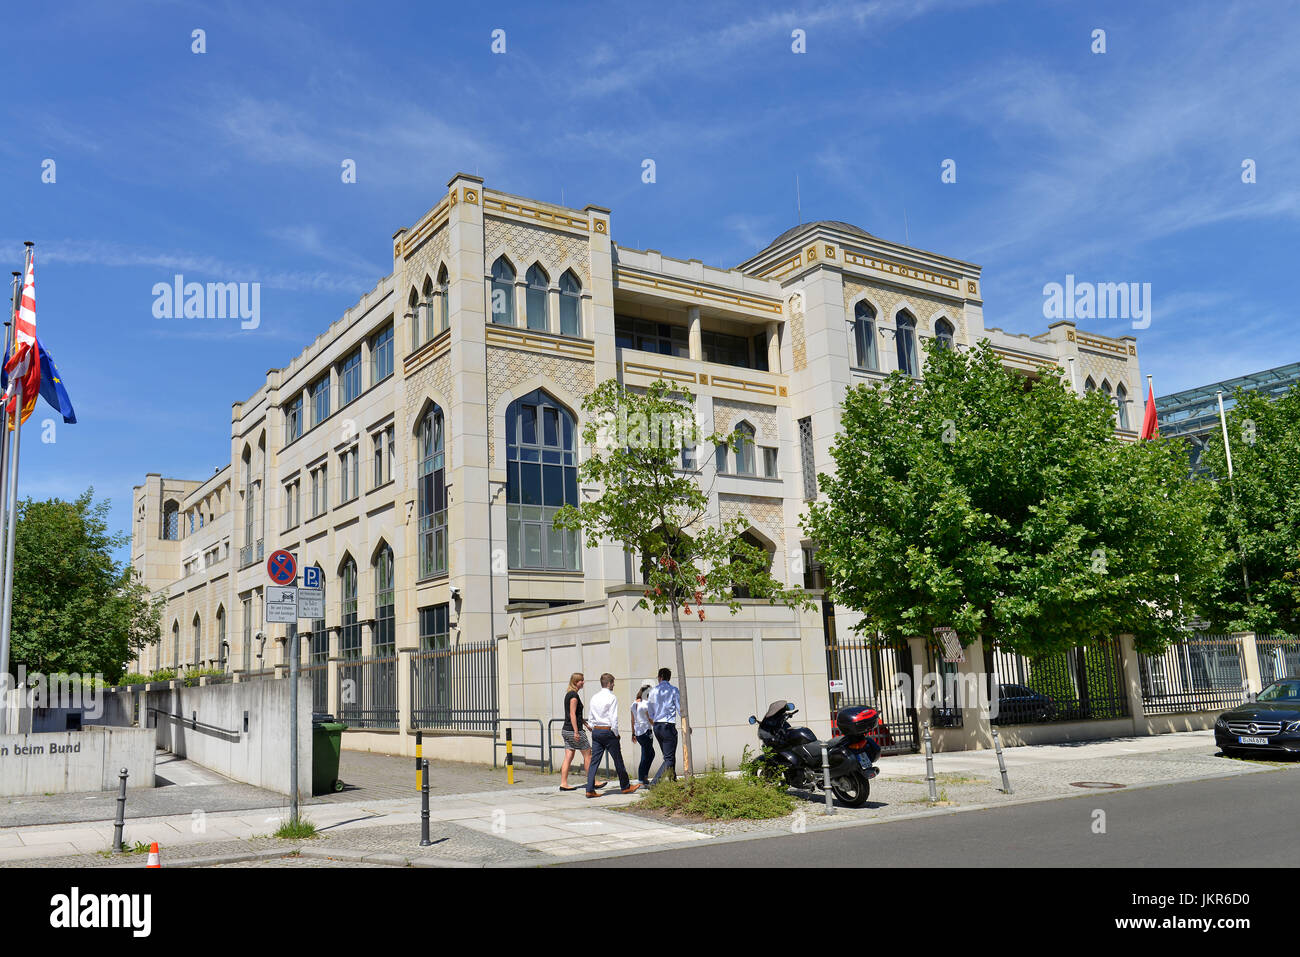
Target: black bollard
[
  {"x": 424, "y": 805},
  {"x": 121, "y": 811}
]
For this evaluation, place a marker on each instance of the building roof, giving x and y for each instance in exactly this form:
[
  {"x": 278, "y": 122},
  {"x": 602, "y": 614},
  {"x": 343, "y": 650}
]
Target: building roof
[
  {"x": 1197, "y": 410},
  {"x": 794, "y": 231}
]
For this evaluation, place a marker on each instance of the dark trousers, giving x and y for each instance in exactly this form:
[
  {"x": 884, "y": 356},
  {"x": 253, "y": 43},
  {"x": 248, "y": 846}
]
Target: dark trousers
[
  {"x": 602, "y": 741},
  {"x": 647, "y": 742},
  {"x": 666, "y": 735}
]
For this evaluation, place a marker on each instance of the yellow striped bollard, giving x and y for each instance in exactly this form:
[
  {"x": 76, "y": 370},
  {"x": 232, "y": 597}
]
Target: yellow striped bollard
[
  {"x": 510, "y": 758},
  {"x": 419, "y": 766}
]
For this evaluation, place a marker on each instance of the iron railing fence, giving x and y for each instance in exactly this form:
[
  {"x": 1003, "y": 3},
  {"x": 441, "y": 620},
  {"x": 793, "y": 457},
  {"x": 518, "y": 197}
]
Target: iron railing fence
[
  {"x": 367, "y": 696},
  {"x": 455, "y": 689},
  {"x": 258, "y": 674},
  {"x": 1278, "y": 656},
  {"x": 320, "y": 685},
  {"x": 1203, "y": 673},
  {"x": 1083, "y": 683},
  {"x": 869, "y": 669}
]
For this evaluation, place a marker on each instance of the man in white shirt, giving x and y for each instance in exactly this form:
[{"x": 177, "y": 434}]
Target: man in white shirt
[{"x": 602, "y": 718}]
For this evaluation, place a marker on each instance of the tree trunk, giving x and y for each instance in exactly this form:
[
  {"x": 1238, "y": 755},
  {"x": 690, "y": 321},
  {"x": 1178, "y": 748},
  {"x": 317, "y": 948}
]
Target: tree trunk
[{"x": 681, "y": 684}]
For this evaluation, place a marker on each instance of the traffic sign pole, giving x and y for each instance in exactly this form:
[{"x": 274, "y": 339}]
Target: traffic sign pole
[{"x": 282, "y": 568}]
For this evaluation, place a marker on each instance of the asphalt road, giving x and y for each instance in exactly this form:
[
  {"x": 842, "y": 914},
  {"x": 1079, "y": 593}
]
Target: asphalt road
[{"x": 1243, "y": 821}]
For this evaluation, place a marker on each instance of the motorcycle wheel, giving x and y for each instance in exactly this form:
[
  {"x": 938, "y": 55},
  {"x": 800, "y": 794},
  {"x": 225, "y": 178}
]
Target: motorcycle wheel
[{"x": 852, "y": 790}]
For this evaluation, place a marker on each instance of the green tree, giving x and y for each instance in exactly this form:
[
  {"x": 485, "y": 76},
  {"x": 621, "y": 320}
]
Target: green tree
[
  {"x": 1259, "y": 509},
  {"x": 661, "y": 515},
  {"x": 75, "y": 609},
  {"x": 1001, "y": 505}
]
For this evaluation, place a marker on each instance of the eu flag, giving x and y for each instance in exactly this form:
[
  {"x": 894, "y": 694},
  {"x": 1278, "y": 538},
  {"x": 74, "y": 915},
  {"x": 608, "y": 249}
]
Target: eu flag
[{"x": 52, "y": 387}]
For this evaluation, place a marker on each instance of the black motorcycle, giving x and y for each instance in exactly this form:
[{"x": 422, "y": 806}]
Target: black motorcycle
[{"x": 852, "y": 754}]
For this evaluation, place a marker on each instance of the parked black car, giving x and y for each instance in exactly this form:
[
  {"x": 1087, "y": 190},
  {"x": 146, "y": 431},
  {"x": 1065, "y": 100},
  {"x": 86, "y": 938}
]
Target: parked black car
[
  {"x": 1270, "y": 723},
  {"x": 1020, "y": 705}
]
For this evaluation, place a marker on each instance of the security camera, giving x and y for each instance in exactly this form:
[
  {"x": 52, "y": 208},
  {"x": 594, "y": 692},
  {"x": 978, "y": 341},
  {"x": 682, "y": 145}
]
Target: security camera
[{"x": 455, "y": 592}]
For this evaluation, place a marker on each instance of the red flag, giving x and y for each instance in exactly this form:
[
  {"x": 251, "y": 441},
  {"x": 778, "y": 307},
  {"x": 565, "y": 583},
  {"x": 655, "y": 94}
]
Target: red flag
[
  {"x": 1150, "y": 425},
  {"x": 25, "y": 365}
]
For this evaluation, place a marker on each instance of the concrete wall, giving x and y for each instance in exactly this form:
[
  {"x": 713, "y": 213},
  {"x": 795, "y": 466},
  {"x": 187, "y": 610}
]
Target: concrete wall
[
  {"x": 258, "y": 755},
  {"x": 74, "y": 761}
]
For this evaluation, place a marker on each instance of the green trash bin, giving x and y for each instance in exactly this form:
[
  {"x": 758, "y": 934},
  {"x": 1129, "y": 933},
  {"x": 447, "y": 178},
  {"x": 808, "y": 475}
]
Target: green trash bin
[{"x": 326, "y": 744}]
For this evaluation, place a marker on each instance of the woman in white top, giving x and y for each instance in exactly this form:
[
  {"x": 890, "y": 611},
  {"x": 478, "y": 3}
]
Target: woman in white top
[{"x": 643, "y": 733}]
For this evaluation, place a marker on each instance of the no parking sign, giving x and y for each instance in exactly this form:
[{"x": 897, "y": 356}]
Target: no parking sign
[{"x": 282, "y": 567}]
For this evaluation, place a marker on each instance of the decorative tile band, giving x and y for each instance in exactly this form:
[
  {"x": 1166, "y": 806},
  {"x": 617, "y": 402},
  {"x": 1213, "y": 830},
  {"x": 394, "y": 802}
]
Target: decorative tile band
[
  {"x": 422, "y": 230},
  {"x": 537, "y": 214},
  {"x": 438, "y": 346},
  {"x": 530, "y": 340},
  {"x": 898, "y": 269},
  {"x": 623, "y": 277}
]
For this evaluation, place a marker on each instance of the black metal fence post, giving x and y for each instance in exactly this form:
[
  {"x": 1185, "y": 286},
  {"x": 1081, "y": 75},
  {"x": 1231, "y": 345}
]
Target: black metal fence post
[{"x": 121, "y": 810}]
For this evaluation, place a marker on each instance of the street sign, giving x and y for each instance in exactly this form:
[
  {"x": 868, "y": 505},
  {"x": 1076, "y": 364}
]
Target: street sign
[
  {"x": 311, "y": 602},
  {"x": 282, "y": 567},
  {"x": 837, "y": 686},
  {"x": 311, "y": 577},
  {"x": 282, "y": 604}
]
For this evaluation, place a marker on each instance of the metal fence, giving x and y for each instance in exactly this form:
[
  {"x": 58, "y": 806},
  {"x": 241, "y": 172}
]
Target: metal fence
[
  {"x": 455, "y": 689},
  {"x": 1278, "y": 656},
  {"x": 1204, "y": 673},
  {"x": 869, "y": 669},
  {"x": 368, "y": 692},
  {"x": 1082, "y": 683},
  {"x": 320, "y": 685},
  {"x": 947, "y": 712}
]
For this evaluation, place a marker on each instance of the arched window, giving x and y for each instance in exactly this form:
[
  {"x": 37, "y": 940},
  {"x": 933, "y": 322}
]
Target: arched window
[
  {"x": 1089, "y": 385},
  {"x": 221, "y": 637},
  {"x": 385, "y": 642},
  {"x": 432, "y": 494},
  {"x": 745, "y": 449},
  {"x": 1121, "y": 403},
  {"x": 503, "y": 292},
  {"x": 1105, "y": 387},
  {"x": 350, "y": 638},
  {"x": 171, "y": 520},
  {"x": 905, "y": 340},
  {"x": 864, "y": 335},
  {"x": 749, "y": 538},
  {"x": 413, "y": 317},
  {"x": 541, "y": 477},
  {"x": 943, "y": 332},
  {"x": 176, "y": 644},
  {"x": 426, "y": 310},
  {"x": 198, "y": 642},
  {"x": 444, "y": 300},
  {"x": 535, "y": 306},
  {"x": 570, "y": 304}
]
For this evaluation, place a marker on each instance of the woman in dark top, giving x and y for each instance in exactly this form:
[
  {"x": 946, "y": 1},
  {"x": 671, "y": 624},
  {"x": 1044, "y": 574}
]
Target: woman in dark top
[{"x": 575, "y": 732}]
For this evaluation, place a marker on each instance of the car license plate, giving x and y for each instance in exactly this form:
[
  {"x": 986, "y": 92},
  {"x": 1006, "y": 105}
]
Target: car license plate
[{"x": 1253, "y": 740}]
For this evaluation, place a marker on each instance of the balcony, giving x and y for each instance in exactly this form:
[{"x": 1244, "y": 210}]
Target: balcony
[
  {"x": 704, "y": 378},
  {"x": 250, "y": 554}
]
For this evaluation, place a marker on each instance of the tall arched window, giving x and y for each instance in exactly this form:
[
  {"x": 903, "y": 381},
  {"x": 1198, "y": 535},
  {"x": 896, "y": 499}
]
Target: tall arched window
[
  {"x": 864, "y": 335},
  {"x": 171, "y": 520},
  {"x": 503, "y": 292},
  {"x": 570, "y": 304},
  {"x": 541, "y": 477},
  {"x": 198, "y": 642},
  {"x": 745, "y": 464},
  {"x": 444, "y": 300},
  {"x": 432, "y": 494},
  {"x": 176, "y": 644},
  {"x": 1121, "y": 403},
  {"x": 1089, "y": 385},
  {"x": 426, "y": 310},
  {"x": 943, "y": 332},
  {"x": 350, "y": 638},
  {"x": 749, "y": 538},
  {"x": 413, "y": 316},
  {"x": 905, "y": 340},
  {"x": 385, "y": 643},
  {"x": 221, "y": 637},
  {"x": 538, "y": 285}
]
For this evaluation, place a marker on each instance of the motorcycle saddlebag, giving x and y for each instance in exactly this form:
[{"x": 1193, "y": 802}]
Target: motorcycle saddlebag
[{"x": 856, "y": 719}]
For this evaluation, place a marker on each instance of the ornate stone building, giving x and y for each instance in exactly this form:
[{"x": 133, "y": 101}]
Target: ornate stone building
[{"x": 417, "y": 448}]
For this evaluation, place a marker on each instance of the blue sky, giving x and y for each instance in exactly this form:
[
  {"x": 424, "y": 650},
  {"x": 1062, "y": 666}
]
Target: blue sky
[{"x": 1122, "y": 166}]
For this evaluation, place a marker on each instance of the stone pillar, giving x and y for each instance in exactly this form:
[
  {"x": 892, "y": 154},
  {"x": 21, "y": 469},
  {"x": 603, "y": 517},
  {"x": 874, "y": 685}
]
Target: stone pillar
[
  {"x": 1133, "y": 683},
  {"x": 773, "y": 347},
  {"x": 553, "y": 310},
  {"x": 332, "y": 671},
  {"x": 1250, "y": 661},
  {"x": 693, "y": 335}
]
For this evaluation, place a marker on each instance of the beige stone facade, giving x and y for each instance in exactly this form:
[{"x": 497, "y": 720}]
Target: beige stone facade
[{"x": 767, "y": 344}]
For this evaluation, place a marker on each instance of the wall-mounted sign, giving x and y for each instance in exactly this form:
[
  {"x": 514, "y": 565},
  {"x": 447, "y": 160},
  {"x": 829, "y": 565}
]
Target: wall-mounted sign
[{"x": 953, "y": 652}]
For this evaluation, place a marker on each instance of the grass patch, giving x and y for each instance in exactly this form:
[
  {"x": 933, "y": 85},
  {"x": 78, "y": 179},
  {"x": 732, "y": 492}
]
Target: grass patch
[
  {"x": 296, "y": 830},
  {"x": 953, "y": 778},
  {"x": 717, "y": 797}
]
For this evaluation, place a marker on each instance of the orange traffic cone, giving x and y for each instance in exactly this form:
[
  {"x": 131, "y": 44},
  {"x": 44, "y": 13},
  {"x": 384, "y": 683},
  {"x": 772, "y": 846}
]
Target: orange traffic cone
[{"x": 153, "y": 855}]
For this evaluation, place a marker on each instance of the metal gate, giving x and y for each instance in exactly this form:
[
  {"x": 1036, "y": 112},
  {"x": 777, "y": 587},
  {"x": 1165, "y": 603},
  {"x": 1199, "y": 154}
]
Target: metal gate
[{"x": 868, "y": 668}]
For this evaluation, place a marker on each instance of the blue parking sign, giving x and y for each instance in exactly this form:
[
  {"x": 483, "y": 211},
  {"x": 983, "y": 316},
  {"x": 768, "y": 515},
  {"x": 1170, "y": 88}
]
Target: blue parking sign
[{"x": 311, "y": 577}]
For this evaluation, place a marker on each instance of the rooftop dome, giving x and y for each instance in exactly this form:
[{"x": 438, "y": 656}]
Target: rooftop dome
[{"x": 805, "y": 227}]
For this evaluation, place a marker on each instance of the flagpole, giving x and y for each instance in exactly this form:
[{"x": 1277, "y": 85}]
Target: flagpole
[
  {"x": 4, "y": 514},
  {"x": 11, "y": 526},
  {"x": 1227, "y": 451}
]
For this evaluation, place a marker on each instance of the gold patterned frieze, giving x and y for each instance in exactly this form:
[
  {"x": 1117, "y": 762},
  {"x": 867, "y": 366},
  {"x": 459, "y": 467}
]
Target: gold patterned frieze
[
  {"x": 546, "y": 216},
  {"x": 898, "y": 269},
  {"x": 748, "y": 301},
  {"x": 545, "y": 343}
]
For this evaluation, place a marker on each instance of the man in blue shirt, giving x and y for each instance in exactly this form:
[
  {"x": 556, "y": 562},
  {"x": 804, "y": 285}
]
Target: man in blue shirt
[{"x": 665, "y": 701}]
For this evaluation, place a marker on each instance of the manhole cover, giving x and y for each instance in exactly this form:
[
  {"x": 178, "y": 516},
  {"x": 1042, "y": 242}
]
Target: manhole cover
[{"x": 1095, "y": 784}]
